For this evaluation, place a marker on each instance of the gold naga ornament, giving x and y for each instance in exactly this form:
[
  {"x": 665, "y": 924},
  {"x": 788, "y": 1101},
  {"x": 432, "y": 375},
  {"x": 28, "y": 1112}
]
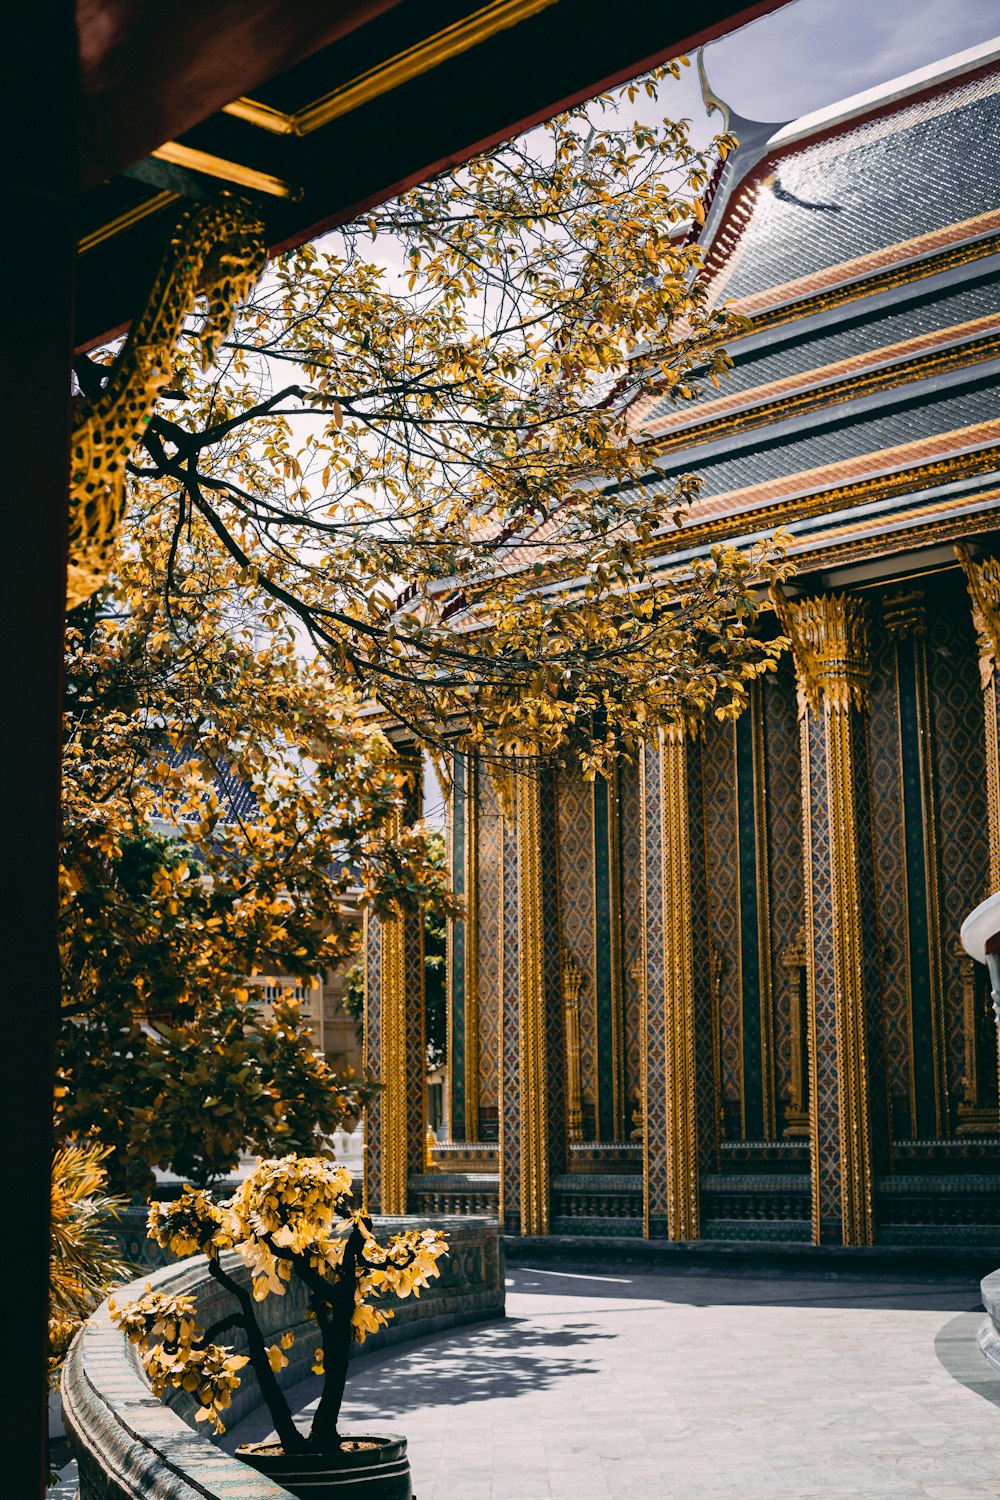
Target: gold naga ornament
[{"x": 218, "y": 251}]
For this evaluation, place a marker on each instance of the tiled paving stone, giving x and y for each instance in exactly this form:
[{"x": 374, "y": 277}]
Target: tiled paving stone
[{"x": 694, "y": 1387}]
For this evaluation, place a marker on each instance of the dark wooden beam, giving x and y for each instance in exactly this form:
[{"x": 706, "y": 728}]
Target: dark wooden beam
[
  {"x": 36, "y": 268},
  {"x": 150, "y": 71},
  {"x": 515, "y": 78}
]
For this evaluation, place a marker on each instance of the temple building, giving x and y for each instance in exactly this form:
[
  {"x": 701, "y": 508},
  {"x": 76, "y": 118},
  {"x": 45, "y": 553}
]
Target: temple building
[{"x": 721, "y": 996}]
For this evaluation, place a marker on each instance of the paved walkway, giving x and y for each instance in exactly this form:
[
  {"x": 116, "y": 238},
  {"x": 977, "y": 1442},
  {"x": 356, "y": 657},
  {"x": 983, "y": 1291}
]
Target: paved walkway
[{"x": 695, "y": 1387}]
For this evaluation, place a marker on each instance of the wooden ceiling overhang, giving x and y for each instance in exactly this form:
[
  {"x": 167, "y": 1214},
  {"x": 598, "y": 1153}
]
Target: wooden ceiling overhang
[{"x": 318, "y": 111}]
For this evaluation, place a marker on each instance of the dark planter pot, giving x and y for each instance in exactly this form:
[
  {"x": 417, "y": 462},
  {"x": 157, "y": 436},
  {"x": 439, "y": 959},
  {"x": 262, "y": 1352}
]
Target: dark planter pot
[{"x": 381, "y": 1473}]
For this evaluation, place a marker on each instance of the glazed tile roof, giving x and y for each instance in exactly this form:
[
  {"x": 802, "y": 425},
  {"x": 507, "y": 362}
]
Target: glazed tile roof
[
  {"x": 835, "y": 438},
  {"x": 236, "y": 797},
  {"x": 890, "y": 179},
  {"x": 891, "y": 367},
  {"x": 859, "y": 330}
]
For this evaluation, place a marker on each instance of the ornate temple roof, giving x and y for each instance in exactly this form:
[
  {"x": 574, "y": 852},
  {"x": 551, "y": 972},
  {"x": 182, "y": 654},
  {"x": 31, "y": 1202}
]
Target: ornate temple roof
[{"x": 864, "y": 244}]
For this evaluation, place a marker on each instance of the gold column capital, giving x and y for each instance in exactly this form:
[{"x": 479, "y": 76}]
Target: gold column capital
[
  {"x": 829, "y": 640},
  {"x": 983, "y": 579}
]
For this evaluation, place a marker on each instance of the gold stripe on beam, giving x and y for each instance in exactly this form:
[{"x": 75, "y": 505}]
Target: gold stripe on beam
[
  {"x": 126, "y": 220},
  {"x": 229, "y": 171},
  {"x": 393, "y": 73}
]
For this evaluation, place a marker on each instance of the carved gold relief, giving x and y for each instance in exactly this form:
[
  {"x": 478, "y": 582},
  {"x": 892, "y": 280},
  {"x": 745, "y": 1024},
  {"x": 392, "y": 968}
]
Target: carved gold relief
[
  {"x": 793, "y": 961},
  {"x": 572, "y": 983},
  {"x": 983, "y": 579},
  {"x": 217, "y": 251},
  {"x": 904, "y": 613}
]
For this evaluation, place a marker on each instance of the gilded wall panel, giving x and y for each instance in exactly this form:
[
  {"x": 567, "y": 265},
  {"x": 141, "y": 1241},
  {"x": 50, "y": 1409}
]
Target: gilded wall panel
[
  {"x": 630, "y": 823},
  {"x": 706, "y": 1084},
  {"x": 555, "y": 1042},
  {"x": 722, "y": 867},
  {"x": 871, "y": 950},
  {"x": 416, "y": 1045},
  {"x": 510, "y": 1083},
  {"x": 960, "y": 773},
  {"x": 890, "y": 875},
  {"x": 490, "y": 907},
  {"x": 824, "y": 1080},
  {"x": 783, "y": 810},
  {"x": 576, "y": 915}
]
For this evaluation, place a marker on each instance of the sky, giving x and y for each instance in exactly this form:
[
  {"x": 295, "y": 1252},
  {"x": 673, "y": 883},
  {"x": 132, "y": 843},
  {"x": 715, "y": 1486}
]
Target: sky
[{"x": 815, "y": 52}]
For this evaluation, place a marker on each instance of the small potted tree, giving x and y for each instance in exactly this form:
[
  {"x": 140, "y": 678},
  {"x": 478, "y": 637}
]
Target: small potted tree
[{"x": 291, "y": 1218}]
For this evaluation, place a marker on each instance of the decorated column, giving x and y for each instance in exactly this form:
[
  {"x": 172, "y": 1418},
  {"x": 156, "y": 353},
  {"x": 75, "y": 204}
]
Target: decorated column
[
  {"x": 848, "y": 1128},
  {"x": 904, "y": 615},
  {"x": 532, "y": 1112},
  {"x": 395, "y": 1048},
  {"x": 676, "y": 1041},
  {"x": 983, "y": 578}
]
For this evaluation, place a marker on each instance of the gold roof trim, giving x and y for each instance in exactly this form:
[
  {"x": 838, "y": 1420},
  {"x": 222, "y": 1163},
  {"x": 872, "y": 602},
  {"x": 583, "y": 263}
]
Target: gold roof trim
[
  {"x": 391, "y": 74},
  {"x": 229, "y": 171}
]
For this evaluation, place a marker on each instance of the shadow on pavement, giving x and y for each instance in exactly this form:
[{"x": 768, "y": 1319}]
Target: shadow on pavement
[
  {"x": 481, "y": 1362},
  {"x": 715, "y": 1289},
  {"x": 957, "y": 1349}
]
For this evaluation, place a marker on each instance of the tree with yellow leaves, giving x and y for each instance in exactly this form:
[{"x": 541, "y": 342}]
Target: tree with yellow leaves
[
  {"x": 290, "y": 1218},
  {"x": 224, "y": 808},
  {"x": 418, "y": 446}
]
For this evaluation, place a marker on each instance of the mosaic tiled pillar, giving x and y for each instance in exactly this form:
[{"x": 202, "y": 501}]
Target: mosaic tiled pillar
[
  {"x": 669, "y": 1051},
  {"x": 904, "y": 616},
  {"x": 395, "y": 1049},
  {"x": 463, "y": 954},
  {"x": 848, "y": 1128},
  {"x": 590, "y": 935},
  {"x": 532, "y": 1121},
  {"x": 983, "y": 578}
]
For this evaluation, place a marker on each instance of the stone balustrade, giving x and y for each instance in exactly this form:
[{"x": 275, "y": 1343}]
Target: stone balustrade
[{"x": 131, "y": 1446}]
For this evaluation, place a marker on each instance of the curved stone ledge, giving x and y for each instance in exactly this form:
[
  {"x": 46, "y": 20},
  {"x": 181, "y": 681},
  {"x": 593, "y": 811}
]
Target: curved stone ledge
[
  {"x": 131, "y": 1446},
  {"x": 989, "y": 1331}
]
